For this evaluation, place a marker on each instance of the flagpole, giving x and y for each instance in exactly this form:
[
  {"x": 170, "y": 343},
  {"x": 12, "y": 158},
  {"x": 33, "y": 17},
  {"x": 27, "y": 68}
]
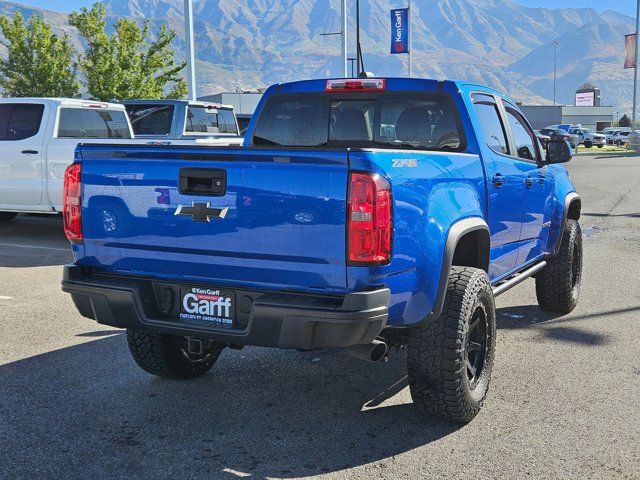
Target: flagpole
[
  {"x": 635, "y": 70},
  {"x": 191, "y": 62},
  {"x": 411, "y": 35},
  {"x": 345, "y": 61}
]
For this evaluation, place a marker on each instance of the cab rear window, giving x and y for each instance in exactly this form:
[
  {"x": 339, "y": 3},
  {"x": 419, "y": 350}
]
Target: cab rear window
[
  {"x": 90, "y": 123},
  {"x": 209, "y": 120},
  {"x": 421, "y": 121}
]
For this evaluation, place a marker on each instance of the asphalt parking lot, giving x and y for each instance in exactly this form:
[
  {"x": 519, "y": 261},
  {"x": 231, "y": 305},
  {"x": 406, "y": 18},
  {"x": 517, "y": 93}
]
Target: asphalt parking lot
[{"x": 563, "y": 401}]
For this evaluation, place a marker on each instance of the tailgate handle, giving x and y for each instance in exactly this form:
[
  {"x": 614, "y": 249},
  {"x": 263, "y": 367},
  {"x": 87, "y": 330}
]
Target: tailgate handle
[{"x": 203, "y": 181}]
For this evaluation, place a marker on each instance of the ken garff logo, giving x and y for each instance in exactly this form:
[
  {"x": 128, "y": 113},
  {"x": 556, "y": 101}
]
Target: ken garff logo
[{"x": 201, "y": 212}]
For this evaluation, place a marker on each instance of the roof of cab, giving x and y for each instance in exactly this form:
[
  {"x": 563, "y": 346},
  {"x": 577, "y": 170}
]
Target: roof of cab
[
  {"x": 142, "y": 101},
  {"x": 64, "y": 102},
  {"x": 393, "y": 84}
]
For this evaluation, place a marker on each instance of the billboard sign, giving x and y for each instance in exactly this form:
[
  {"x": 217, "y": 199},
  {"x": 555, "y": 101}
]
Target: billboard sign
[
  {"x": 400, "y": 30},
  {"x": 585, "y": 99}
]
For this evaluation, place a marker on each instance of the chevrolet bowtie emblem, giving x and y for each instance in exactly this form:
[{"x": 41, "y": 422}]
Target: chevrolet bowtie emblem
[{"x": 201, "y": 212}]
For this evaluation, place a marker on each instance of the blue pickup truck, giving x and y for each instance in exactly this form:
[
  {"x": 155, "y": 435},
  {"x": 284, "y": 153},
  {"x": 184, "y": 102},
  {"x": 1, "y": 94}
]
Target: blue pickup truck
[{"x": 362, "y": 214}]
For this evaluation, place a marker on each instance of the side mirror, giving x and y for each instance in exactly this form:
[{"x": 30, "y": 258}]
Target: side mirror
[{"x": 558, "y": 151}]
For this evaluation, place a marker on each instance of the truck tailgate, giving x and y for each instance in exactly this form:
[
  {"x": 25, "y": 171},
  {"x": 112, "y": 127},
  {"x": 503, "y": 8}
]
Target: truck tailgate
[{"x": 256, "y": 218}]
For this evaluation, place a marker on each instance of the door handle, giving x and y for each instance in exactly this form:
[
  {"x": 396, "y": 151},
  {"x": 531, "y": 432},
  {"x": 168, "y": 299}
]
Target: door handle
[
  {"x": 30, "y": 152},
  {"x": 529, "y": 182},
  {"x": 498, "y": 180}
]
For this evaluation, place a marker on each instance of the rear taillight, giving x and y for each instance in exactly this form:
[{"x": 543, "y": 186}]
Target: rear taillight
[
  {"x": 72, "y": 203},
  {"x": 369, "y": 219}
]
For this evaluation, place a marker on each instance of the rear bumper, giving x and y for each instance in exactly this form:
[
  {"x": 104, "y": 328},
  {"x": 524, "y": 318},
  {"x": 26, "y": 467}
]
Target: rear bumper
[{"x": 269, "y": 319}]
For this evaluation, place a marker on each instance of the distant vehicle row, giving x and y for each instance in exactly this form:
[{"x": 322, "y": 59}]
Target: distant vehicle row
[{"x": 38, "y": 137}]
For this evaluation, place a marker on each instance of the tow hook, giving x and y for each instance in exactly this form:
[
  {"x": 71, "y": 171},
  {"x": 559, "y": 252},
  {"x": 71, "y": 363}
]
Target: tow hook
[
  {"x": 199, "y": 346},
  {"x": 195, "y": 346}
]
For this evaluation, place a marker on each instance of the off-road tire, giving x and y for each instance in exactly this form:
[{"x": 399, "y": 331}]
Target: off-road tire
[
  {"x": 437, "y": 353},
  {"x": 558, "y": 284},
  {"x": 163, "y": 355},
  {"x": 6, "y": 216},
  {"x": 588, "y": 144}
]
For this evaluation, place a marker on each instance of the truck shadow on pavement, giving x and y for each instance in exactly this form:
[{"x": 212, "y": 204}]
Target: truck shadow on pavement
[
  {"x": 553, "y": 326},
  {"x": 87, "y": 411},
  {"x": 33, "y": 241}
]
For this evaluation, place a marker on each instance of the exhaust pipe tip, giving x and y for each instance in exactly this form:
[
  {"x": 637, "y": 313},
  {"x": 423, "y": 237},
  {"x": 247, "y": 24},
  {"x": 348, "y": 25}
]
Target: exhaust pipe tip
[{"x": 374, "y": 352}]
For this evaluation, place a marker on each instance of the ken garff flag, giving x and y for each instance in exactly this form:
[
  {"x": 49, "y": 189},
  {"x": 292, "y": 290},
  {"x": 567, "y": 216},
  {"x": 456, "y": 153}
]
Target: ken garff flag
[
  {"x": 400, "y": 30},
  {"x": 630, "y": 48}
]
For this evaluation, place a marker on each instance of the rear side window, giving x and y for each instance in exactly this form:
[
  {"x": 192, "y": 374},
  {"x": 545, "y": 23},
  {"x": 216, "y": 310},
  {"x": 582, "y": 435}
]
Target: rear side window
[
  {"x": 491, "y": 124},
  {"x": 19, "y": 121},
  {"x": 151, "y": 119},
  {"x": 390, "y": 120},
  {"x": 524, "y": 137},
  {"x": 210, "y": 120},
  {"x": 89, "y": 123}
]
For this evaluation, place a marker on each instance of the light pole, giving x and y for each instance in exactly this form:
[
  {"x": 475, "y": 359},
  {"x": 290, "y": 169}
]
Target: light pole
[
  {"x": 555, "y": 67},
  {"x": 191, "y": 60},
  {"x": 410, "y": 27},
  {"x": 635, "y": 70},
  {"x": 343, "y": 34}
]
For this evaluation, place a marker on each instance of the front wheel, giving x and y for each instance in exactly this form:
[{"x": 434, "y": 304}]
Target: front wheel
[
  {"x": 450, "y": 360},
  {"x": 558, "y": 284},
  {"x": 6, "y": 216},
  {"x": 167, "y": 355}
]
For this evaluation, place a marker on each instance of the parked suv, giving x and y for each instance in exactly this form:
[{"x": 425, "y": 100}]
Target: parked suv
[
  {"x": 589, "y": 138},
  {"x": 557, "y": 134},
  {"x": 433, "y": 198}
]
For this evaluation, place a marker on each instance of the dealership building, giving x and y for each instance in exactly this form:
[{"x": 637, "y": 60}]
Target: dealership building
[
  {"x": 541, "y": 116},
  {"x": 586, "y": 111}
]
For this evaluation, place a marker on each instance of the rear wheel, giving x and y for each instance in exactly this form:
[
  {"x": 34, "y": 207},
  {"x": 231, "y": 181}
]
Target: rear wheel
[
  {"x": 450, "y": 359},
  {"x": 588, "y": 144},
  {"x": 6, "y": 216},
  {"x": 168, "y": 356},
  {"x": 558, "y": 284}
]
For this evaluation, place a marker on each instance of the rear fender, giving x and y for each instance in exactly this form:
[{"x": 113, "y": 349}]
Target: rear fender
[{"x": 436, "y": 202}]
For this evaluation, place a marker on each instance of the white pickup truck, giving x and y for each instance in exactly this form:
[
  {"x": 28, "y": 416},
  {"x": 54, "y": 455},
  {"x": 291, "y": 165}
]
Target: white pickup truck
[{"x": 38, "y": 137}]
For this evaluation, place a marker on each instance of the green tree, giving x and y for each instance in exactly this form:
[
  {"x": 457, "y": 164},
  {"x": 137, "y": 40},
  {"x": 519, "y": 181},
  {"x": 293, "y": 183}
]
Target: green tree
[
  {"x": 624, "y": 121},
  {"x": 127, "y": 63},
  {"x": 38, "y": 62}
]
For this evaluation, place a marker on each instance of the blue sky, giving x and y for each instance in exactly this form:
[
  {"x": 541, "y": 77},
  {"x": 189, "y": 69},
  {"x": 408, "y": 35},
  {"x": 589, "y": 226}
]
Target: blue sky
[{"x": 624, "y": 6}]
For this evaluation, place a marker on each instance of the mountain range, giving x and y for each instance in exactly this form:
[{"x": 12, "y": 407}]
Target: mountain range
[{"x": 253, "y": 43}]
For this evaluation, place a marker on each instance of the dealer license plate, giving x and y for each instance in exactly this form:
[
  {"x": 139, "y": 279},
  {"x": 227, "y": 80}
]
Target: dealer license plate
[{"x": 206, "y": 305}]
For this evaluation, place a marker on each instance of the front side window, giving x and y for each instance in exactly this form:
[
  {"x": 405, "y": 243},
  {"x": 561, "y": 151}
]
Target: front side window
[
  {"x": 19, "y": 121},
  {"x": 491, "y": 123},
  {"x": 152, "y": 119},
  {"x": 89, "y": 123},
  {"x": 524, "y": 137},
  {"x": 418, "y": 121},
  {"x": 211, "y": 120}
]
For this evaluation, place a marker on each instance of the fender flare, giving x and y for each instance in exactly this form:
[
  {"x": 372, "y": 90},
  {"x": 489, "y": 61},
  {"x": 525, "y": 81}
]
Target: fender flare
[
  {"x": 568, "y": 201},
  {"x": 456, "y": 232}
]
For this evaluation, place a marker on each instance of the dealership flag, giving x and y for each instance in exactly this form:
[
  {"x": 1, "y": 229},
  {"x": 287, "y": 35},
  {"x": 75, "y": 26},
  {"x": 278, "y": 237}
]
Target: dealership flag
[
  {"x": 630, "y": 47},
  {"x": 400, "y": 30}
]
